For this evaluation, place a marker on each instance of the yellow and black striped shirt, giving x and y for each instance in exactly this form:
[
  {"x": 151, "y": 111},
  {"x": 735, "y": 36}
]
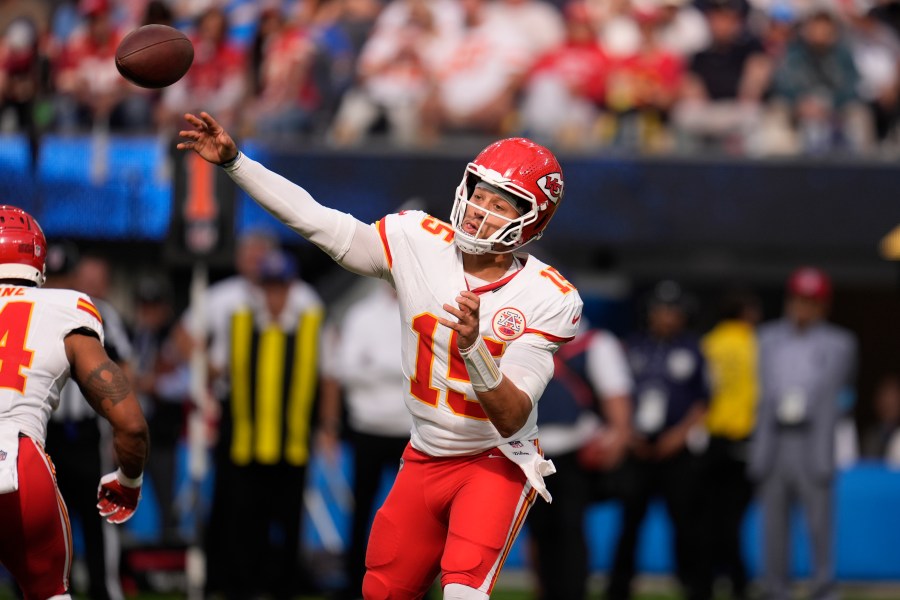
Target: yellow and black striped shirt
[{"x": 274, "y": 376}]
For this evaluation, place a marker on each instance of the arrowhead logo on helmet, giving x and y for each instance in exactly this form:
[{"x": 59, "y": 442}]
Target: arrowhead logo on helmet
[{"x": 552, "y": 185}]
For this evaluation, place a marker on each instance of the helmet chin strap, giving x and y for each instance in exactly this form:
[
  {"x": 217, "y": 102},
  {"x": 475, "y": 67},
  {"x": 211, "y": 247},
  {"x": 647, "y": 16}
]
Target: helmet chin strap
[{"x": 470, "y": 246}]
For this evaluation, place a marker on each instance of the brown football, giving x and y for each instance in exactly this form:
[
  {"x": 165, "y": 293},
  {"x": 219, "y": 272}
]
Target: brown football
[{"x": 154, "y": 56}]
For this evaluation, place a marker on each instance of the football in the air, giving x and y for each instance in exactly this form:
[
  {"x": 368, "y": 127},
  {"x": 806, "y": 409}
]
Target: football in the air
[{"x": 154, "y": 56}]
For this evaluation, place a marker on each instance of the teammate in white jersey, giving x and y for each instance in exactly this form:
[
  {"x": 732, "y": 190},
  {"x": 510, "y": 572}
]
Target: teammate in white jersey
[
  {"x": 481, "y": 322},
  {"x": 48, "y": 336}
]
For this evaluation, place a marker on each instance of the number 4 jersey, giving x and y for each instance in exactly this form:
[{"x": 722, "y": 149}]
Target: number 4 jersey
[
  {"x": 34, "y": 323},
  {"x": 524, "y": 317}
]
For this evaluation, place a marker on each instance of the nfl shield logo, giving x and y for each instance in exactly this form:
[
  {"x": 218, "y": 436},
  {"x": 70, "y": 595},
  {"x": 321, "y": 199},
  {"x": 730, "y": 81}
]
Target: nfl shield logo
[{"x": 2, "y": 455}]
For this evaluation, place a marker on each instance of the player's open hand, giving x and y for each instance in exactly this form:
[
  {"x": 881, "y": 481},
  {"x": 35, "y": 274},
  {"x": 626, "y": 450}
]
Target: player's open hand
[
  {"x": 208, "y": 139},
  {"x": 466, "y": 313}
]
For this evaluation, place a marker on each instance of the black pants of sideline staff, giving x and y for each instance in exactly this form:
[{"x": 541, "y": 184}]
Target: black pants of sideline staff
[
  {"x": 730, "y": 494},
  {"x": 679, "y": 482},
  {"x": 559, "y": 546}
]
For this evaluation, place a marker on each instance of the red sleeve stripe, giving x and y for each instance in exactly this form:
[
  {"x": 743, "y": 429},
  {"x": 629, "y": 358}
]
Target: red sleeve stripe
[
  {"x": 89, "y": 309},
  {"x": 382, "y": 231},
  {"x": 550, "y": 336}
]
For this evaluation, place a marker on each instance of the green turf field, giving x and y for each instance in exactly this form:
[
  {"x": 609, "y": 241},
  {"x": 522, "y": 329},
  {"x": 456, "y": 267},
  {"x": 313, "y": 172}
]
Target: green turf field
[{"x": 850, "y": 592}]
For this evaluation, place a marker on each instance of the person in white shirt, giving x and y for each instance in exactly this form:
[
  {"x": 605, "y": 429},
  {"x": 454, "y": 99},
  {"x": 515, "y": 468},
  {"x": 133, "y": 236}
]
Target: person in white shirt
[{"x": 362, "y": 364}]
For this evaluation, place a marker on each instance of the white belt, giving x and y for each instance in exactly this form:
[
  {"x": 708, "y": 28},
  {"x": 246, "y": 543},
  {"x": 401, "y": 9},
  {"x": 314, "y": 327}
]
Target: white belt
[{"x": 535, "y": 466}]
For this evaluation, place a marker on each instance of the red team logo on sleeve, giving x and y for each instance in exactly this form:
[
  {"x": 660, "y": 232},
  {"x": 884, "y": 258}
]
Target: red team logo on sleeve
[{"x": 508, "y": 323}]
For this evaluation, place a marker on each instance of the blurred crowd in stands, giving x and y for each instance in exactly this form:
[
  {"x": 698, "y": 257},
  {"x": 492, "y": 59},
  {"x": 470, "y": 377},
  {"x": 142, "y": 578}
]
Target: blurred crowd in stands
[{"x": 738, "y": 77}]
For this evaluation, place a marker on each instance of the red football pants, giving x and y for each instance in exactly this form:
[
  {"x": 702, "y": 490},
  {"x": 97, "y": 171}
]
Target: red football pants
[
  {"x": 35, "y": 536},
  {"x": 459, "y": 516}
]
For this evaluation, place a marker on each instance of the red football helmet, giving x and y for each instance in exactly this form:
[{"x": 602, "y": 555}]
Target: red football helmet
[
  {"x": 523, "y": 169},
  {"x": 23, "y": 248}
]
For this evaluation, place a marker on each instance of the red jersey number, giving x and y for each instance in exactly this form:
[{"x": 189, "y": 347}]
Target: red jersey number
[
  {"x": 14, "y": 356},
  {"x": 420, "y": 385}
]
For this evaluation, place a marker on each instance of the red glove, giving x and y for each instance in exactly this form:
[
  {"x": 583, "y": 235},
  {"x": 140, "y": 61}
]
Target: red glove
[{"x": 118, "y": 496}]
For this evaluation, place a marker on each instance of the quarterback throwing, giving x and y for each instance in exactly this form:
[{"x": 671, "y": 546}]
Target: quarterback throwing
[{"x": 481, "y": 321}]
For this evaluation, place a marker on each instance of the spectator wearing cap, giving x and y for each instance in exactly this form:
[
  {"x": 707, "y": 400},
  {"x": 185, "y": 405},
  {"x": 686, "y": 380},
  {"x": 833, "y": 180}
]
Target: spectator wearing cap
[
  {"x": 804, "y": 363},
  {"x": 670, "y": 401},
  {"x": 269, "y": 357}
]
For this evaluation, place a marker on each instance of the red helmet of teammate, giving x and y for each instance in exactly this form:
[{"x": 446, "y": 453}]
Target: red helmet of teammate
[
  {"x": 524, "y": 173},
  {"x": 23, "y": 248}
]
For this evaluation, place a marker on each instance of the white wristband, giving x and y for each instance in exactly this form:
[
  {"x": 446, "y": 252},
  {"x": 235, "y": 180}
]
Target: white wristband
[
  {"x": 483, "y": 371},
  {"x": 129, "y": 482}
]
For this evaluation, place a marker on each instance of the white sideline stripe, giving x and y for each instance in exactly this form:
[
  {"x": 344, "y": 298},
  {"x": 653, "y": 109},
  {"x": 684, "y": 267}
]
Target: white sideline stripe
[
  {"x": 321, "y": 520},
  {"x": 339, "y": 487}
]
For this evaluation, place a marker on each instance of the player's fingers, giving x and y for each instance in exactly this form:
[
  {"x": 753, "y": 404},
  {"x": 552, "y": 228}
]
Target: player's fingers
[
  {"x": 470, "y": 295},
  {"x": 193, "y": 120},
  {"x": 456, "y": 312},
  {"x": 466, "y": 304},
  {"x": 120, "y": 516},
  {"x": 209, "y": 121},
  {"x": 192, "y": 134},
  {"x": 448, "y": 323}
]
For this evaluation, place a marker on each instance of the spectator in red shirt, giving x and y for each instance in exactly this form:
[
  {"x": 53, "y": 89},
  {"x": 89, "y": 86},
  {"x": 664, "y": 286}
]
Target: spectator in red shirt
[
  {"x": 20, "y": 76},
  {"x": 285, "y": 95},
  {"x": 216, "y": 77},
  {"x": 643, "y": 85},
  {"x": 566, "y": 88},
  {"x": 91, "y": 93}
]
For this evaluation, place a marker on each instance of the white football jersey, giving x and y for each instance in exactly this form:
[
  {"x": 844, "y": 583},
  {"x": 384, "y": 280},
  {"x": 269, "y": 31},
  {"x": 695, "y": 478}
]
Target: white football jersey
[
  {"x": 534, "y": 310},
  {"x": 34, "y": 323}
]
